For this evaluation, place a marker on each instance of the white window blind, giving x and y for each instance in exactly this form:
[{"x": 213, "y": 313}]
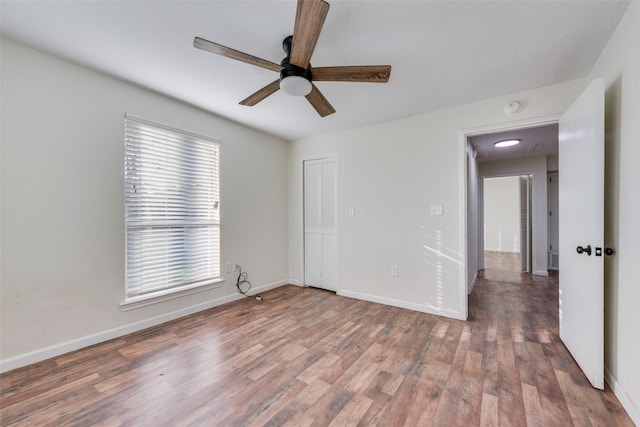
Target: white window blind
[{"x": 172, "y": 210}]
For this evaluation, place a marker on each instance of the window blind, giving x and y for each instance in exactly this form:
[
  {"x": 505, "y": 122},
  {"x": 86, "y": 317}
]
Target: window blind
[{"x": 172, "y": 210}]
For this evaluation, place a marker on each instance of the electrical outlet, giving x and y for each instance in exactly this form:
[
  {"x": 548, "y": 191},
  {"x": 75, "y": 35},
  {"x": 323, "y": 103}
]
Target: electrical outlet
[
  {"x": 395, "y": 271},
  {"x": 436, "y": 210}
]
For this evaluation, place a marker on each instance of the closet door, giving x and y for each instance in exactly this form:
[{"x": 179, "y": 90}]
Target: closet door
[{"x": 320, "y": 215}]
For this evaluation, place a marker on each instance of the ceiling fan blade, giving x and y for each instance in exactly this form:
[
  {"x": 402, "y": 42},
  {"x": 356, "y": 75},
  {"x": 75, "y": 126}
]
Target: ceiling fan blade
[
  {"x": 310, "y": 17},
  {"x": 364, "y": 73},
  {"x": 218, "y": 49},
  {"x": 253, "y": 99},
  {"x": 319, "y": 102}
]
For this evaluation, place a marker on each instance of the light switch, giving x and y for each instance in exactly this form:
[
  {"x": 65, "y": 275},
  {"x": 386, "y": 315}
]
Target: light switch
[
  {"x": 352, "y": 211},
  {"x": 436, "y": 209},
  {"x": 395, "y": 271}
]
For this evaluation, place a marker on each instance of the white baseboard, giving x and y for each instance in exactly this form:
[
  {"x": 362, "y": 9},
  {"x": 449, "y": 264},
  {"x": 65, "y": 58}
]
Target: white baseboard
[
  {"x": 540, "y": 273},
  {"x": 295, "y": 282},
  {"x": 424, "y": 308},
  {"x": 268, "y": 287},
  {"x": 76, "y": 344},
  {"x": 627, "y": 403}
]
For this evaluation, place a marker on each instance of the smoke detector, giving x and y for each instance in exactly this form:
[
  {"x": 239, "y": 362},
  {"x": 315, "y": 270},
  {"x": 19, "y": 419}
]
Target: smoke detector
[{"x": 512, "y": 107}]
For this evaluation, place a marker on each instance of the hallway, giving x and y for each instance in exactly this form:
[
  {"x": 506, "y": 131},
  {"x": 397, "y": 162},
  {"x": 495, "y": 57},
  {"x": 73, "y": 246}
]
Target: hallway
[{"x": 524, "y": 353}]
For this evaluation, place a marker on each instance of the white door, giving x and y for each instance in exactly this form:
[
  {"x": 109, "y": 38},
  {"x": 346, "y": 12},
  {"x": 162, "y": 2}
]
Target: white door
[
  {"x": 581, "y": 194},
  {"x": 320, "y": 209}
]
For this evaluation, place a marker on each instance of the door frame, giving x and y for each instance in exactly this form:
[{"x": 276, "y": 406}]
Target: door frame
[
  {"x": 480, "y": 201},
  {"x": 465, "y": 284},
  {"x": 302, "y": 160},
  {"x": 557, "y": 203}
]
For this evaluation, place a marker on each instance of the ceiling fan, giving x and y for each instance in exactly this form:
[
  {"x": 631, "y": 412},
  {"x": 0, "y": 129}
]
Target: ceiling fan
[{"x": 296, "y": 73}]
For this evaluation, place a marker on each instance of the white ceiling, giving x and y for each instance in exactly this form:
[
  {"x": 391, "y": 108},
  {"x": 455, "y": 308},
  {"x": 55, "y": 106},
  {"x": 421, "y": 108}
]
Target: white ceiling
[
  {"x": 443, "y": 53},
  {"x": 534, "y": 142}
]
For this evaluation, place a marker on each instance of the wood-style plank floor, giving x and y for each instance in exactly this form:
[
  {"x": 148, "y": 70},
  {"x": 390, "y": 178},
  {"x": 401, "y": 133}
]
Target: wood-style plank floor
[{"x": 306, "y": 357}]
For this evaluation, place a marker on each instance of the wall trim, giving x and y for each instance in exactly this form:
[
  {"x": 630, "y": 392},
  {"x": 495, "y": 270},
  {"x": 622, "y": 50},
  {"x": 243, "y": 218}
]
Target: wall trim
[
  {"x": 463, "y": 135},
  {"x": 627, "y": 403},
  {"x": 167, "y": 294},
  {"x": 404, "y": 304},
  {"x": 473, "y": 283},
  {"x": 86, "y": 341},
  {"x": 463, "y": 211}
]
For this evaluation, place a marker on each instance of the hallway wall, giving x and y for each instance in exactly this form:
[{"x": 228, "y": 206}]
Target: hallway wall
[
  {"x": 536, "y": 166},
  {"x": 502, "y": 214}
]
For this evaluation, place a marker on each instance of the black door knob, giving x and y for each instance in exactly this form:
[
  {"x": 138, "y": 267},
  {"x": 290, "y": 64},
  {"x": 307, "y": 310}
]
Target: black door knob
[
  {"x": 609, "y": 251},
  {"x": 580, "y": 250}
]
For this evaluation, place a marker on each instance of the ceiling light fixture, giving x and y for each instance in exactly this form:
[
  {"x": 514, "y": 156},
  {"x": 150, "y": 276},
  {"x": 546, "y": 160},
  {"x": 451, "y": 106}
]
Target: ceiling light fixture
[
  {"x": 507, "y": 143},
  {"x": 295, "y": 85}
]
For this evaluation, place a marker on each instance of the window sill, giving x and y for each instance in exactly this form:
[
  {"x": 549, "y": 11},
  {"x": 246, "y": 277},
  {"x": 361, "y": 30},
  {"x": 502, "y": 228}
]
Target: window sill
[{"x": 168, "y": 294}]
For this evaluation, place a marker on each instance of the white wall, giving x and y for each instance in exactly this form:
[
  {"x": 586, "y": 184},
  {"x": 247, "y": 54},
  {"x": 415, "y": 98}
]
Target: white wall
[
  {"x": 502, "y": 214},
  {"x": 536, "y": 166},
  {"x": 619, "y": 64},
  {"x": 391, "y": 173},
  {"x": 62, "y": 223}
]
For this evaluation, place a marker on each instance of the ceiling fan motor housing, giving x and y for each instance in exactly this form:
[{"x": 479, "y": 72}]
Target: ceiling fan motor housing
[
  {"x": 289, "y": 69},
  {"x": 294, "y": 80}
]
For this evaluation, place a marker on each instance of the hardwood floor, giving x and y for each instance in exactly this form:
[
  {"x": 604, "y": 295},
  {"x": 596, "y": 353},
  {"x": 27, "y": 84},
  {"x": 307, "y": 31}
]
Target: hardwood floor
[{"x": 306, "y": 357}]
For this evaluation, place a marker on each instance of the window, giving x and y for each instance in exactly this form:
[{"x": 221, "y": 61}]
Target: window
[{"x": 172, "y": 210}]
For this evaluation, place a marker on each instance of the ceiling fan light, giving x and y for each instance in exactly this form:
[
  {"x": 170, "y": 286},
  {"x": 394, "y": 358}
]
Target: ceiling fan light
[
  {"x": 507, "y": 143},
  {"x": 295, "y": 86}
]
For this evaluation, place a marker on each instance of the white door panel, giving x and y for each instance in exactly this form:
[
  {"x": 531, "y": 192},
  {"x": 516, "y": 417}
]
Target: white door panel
[
  {"x": 581, "y": 219},
  {"x": 328, "y": 261},
  {"x": 313, "y": 258},
  {"x": 312, "y": 203},
  {"x": 329, "y": 196},
  {"x": 320, "y": 223}
]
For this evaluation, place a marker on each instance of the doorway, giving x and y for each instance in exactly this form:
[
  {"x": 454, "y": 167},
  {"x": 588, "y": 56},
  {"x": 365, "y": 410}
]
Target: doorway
[
  {"x": 532, "y": 157},
  {"x": 507, "y": 220},
  {"x": 320, "y": 218},
  {"x": 580, "y": 131}
]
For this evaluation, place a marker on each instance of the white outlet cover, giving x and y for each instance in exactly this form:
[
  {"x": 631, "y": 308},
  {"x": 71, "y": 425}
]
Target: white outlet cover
[{"x": 437, "y": 210}]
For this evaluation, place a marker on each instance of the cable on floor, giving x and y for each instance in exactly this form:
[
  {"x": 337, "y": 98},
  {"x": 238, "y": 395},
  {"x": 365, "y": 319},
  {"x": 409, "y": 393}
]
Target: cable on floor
[{"x": 242, "y": 282}]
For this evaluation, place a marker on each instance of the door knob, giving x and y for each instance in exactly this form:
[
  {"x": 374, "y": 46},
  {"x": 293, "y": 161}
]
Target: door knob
[
  {"x": 609, "y": 251},
  {"x": 580, "y": 250}
]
